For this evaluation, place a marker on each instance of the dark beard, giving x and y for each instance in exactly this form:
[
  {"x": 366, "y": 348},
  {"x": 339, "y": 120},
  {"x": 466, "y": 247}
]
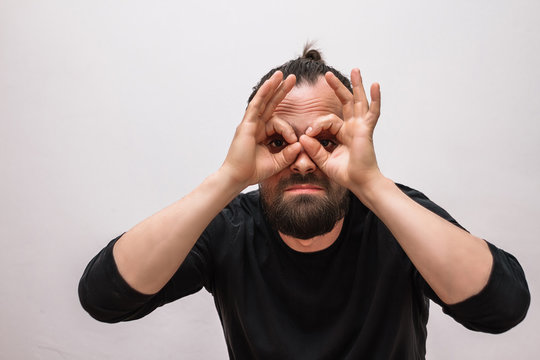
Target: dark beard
[{"x": 305, "y": 216}]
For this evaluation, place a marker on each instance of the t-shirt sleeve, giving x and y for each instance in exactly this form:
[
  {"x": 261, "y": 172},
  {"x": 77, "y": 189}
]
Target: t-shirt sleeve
[
  {"x": 502, "y": 303},
  {"x": 107, "y": 297}
]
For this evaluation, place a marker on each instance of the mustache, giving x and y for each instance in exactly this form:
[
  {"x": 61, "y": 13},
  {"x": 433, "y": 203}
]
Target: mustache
[{"x": 299, "y": 179}]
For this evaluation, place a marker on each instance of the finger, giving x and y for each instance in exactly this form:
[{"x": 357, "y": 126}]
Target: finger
[
  {"x": 277, "y": 83},
  {"x": 343, "y": 94},
  {"x": 265, "y": 92},
  {"x": 375, "y": 106},
  {"x": 284, "y": 88},
  {"x": 287, "y": 156},
  {"x": 331, "y": 123},
  {"x": 359, "y": 95},
  {"x": 278, "y": 126},
  {"x": 315, "y": 151}
]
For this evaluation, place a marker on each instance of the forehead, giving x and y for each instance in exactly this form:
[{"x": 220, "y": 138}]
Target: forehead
[{"x": 304, "y": 103}]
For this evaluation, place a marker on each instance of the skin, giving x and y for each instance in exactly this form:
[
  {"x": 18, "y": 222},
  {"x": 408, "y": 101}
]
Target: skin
[
  {"x": 303, "y": 107},
  {"x": 328, "y": 131}
]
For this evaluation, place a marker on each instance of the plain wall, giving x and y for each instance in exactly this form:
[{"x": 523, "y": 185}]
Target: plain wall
[{"x": 111, "y": 110}]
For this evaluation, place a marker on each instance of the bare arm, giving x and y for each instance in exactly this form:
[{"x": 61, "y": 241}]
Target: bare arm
[
  {"x": 455, "y": 263},
  {"x": 149, "y": 254}
]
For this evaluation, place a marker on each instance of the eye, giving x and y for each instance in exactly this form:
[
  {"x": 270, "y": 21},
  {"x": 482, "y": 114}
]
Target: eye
[
  {"x": 276, "y": 144},
  {"x": 328, "y": 144}
]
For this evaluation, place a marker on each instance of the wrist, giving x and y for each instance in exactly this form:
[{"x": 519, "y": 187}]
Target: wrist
[
  {"x": 369, "y": 191},
  {"x": 229, "y": 180}
]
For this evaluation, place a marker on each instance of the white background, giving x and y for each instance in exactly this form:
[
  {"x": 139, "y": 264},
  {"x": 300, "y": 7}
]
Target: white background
[{"x": 111, "y": 110}]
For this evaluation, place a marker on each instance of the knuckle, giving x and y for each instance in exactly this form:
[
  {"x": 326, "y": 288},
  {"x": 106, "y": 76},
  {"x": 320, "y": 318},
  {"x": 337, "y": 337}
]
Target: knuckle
[
  {"x": 240, "y": 127},
  {"x": 375, "y": 111}
]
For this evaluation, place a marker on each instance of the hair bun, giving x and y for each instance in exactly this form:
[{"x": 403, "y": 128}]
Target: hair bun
[{"x": 311, "y": 54}]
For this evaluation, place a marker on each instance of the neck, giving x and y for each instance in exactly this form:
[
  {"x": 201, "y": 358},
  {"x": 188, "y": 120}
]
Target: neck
[{"x": 316, "y": 243}]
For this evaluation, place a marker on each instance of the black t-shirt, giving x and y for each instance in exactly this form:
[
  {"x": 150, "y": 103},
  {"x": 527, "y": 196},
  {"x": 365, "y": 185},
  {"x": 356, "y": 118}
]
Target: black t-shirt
[{"x": 360, "y": 298}]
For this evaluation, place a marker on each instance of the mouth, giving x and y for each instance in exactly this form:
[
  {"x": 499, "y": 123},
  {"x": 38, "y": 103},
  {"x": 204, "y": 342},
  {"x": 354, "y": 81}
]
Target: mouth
[{"x": 303, "y": 189}]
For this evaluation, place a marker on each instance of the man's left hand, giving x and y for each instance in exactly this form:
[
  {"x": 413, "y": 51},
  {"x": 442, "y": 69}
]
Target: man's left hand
[{"x": 352, "y": 163}]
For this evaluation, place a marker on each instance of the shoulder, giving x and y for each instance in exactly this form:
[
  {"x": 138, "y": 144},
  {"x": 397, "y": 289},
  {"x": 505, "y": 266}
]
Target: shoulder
[
  {"x": 426, "y": 202},
  {"x": 243, "y": 210},
  {"x": 242, "y": 206},
  {"x": 418, "y": 196},
  {"x": 238, "y": 228},
  {"x": 412, "y": 193}
]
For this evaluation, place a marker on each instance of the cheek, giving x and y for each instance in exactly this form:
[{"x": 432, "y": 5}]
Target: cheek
[
  {"x": 337, "y": 189},
  {"x": 273, "y": 180},
  {"x": 267, "y": 186}
]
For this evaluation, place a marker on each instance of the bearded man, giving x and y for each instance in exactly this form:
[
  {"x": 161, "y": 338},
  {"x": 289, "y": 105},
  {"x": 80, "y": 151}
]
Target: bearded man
[{"x": 329, "y": 259}]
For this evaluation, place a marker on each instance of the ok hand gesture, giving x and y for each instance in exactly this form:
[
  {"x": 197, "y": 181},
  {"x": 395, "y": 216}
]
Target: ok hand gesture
[
  {"x": 249, "y": 160},
  {"x": 352, "y": 163}
]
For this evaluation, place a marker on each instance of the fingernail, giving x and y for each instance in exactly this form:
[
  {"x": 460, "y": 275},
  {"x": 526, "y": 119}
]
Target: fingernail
[{"x": 308, "y": 130}]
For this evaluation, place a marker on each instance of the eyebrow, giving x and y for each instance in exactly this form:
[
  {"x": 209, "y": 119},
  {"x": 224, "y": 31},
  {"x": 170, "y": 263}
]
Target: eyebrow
[{"x": 325, "y": 134}]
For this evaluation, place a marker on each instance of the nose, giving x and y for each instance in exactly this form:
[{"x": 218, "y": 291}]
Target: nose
[{"x": 303, "y": 164}]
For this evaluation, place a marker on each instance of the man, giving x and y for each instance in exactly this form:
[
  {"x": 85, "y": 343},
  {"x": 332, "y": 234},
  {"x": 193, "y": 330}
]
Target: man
[{"x": 329, "y": 259}]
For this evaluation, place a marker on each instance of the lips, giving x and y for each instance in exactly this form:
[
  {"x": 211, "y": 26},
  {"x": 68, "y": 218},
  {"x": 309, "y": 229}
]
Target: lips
[
  {"x": 303, "y": 184},
  {"x": 303, "y": 188}
]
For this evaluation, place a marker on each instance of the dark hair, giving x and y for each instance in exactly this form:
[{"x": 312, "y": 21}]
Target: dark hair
[{"x": 308, "y": 68}]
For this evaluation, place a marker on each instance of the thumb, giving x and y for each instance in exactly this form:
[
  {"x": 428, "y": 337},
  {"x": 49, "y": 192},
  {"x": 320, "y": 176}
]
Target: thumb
[
  {"x": 286, "y": 157},
  {"x": 314, "y": 150}
]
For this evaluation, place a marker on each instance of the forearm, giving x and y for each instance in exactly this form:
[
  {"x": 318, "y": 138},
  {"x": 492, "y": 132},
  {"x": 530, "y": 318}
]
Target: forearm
[
  {"x": 454, "y": 263},
  {"x": 149, "y": 254}
]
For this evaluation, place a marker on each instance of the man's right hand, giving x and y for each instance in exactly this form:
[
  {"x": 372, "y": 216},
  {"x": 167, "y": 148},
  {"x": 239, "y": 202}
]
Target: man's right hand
[
  {"x": 250, "y": 159},
  {"x": 149, "y": 254}
]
